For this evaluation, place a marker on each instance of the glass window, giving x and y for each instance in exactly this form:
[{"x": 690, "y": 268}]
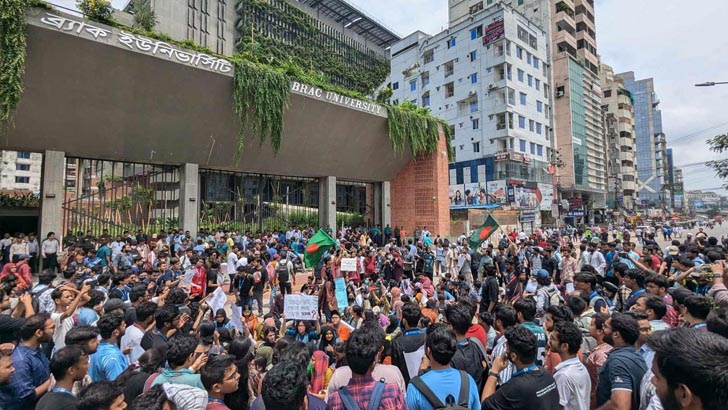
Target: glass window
[
  {"x": 520, "y": 75},
  {"x": 528, "y": 58},
  {"x": 522, "y": 122},
  {"x": 522, "y": 145},
  {"x": 539, "y": 106},
  {"x": 395, "y": 86},
  {"x": 539, "y": 150},
  {"x": 476, "y": 147},
  {"x": 473, "y": 78},
  {"x": 413, "y": 85},
  {"x": 22, "y": 167},
  {"x": 23, "y": 155},
  {"x": 22, "y": 180},
  {"x": 473, "y": 55},
  {"x": 533, "y": 148},
  {"x": 476, "y": 123},
  {"x": 531, "y": 125},
  {"x": 473, "y": 106},
  {"x": 538, "y": 84},
  {"x": 530, "y": 80},
  {"x": 535, "y": 62},
  {"x": 538, "y": 128},
  {"x": 519, "y": 52},
  {"x": 523, "y": 98}
]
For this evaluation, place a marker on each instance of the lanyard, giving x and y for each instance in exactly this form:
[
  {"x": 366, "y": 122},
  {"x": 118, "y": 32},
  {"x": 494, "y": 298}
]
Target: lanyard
[
  {"x": 214, "y": 400},
  {"x": 62, "y": 390},
  {"x": 155, "y": 330},
  {"x": 524, "y": 370},
  {"x": 700, "y": 325}
]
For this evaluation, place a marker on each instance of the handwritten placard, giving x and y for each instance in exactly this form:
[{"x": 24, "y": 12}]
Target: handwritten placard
[
  {"x": 302, "y": 307},
  {"x": 348, "y": 264},
  {"x": 217, "y": 299},
  {"x": 342, "y": 299}
]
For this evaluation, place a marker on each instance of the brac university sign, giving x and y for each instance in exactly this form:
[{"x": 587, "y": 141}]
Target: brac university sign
[{"x": 335, "y": 98}]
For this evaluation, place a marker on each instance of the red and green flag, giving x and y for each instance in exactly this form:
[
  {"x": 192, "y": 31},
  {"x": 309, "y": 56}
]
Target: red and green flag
[
  {"x": 481, "y": 234},
  {"x": 316, "y": 246}
]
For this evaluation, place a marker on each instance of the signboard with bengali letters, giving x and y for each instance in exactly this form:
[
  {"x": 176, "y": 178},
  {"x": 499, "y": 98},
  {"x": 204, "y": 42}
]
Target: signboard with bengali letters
[
  {"x": 300, "y": 307},
  {"x": 493, "y": 32}
]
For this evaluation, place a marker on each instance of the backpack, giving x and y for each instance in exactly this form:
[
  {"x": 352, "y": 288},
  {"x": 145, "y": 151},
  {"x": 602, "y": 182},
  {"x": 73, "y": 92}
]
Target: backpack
[
  {"x": 350, "y": 404},
  {"x": 282, "y": 272},
  {"x": 553, "y": 297},
  {"x": 35, "y": 298},
  {"x": 450, "y": 403}
]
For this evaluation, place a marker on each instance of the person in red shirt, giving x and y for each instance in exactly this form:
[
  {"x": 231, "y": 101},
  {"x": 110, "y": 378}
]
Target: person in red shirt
[{"x": 199, "y": 279}]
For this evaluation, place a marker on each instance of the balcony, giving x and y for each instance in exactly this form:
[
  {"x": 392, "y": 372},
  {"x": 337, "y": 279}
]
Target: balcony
[
  {"x": 565, "y": 42},
  {"x": 565, "y": 21}
]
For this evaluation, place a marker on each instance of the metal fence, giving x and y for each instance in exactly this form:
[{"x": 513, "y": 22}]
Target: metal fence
[
  {"x": 256, "y": 202},
  {"x": 112, "y": 197}
]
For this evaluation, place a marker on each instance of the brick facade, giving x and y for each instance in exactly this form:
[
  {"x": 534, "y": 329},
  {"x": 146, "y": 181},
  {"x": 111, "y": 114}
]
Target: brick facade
[{"x": 419, "y": 194}]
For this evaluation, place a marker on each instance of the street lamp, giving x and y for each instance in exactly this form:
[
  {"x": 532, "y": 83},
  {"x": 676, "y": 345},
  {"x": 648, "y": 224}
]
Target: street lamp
[{"x": 710, "y": 84}]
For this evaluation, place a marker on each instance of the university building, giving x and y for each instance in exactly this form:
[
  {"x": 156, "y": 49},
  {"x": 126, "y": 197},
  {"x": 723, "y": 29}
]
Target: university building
[{"x": 141, "y": 133}]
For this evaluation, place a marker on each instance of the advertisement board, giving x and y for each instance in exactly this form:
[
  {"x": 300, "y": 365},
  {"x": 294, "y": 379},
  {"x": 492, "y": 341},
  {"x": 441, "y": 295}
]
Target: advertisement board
[
  {"x": 547, "y": 196},
  {"x": 497, "y": 191}
]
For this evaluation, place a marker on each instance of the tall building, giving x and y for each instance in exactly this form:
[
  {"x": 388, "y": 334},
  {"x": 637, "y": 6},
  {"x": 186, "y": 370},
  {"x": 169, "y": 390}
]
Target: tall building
[
  {"x": 678, "y": 189},
  {"x": 620, "y": 140},
  {"x": 20, "y": 172},
  {"x": 652, "y": 168},
  {"x": 487, "y": 76},
  {"x": 577, "y": 113}
]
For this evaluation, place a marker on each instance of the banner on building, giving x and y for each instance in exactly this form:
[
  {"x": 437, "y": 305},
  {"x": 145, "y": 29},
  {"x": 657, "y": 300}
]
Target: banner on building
[
  {"x": 493, "y": 32},
  {"x": 527, "y": 197},
  {"x": 497, "y": 190},
  {"x": 547, "y": 196},
  {"x": 472, "y": 195},
  {"x": 456, "y": 195}
]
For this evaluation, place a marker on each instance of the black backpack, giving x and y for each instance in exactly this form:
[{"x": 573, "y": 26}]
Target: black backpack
[
  {"x": 282, "y": 271},
  {"x": 450, "y": 403}
]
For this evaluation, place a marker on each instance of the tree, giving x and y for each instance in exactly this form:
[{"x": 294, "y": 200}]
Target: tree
[{"x": 718, "y": 144}]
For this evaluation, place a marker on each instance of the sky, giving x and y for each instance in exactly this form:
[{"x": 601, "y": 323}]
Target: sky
[{"x": 676, "y": 44}]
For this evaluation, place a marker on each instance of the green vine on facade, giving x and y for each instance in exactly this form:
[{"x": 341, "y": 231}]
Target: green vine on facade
[
  {"x": 275, "y": 32},
  {"x": 260, "y": 97},
  {"x": 12, "y": 57},
  {"x": 416, "y": 128}
]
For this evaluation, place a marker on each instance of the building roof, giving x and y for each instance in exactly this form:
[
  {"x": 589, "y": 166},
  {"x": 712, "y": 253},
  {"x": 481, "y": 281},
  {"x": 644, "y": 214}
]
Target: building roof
[{"x": 356, "y": 20}]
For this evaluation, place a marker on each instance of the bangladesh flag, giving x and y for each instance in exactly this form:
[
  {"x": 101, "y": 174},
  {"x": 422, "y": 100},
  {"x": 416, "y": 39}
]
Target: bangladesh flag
[
  {"x": 316, "y": 246},
  {"x": 481, "y": 234}
]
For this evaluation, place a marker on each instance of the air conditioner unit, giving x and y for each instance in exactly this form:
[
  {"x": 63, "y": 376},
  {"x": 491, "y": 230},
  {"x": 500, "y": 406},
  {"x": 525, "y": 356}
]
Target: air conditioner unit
[
  {"x": 559, "y": 94},
  {"x": 492, "y": 87},
  {"x": 472, "y": 93}
]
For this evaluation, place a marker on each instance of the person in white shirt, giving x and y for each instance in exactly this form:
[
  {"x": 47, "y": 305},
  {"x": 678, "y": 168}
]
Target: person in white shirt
[
  {"x": 49, "y": 251},
  {"x": 134, "y": 334},
  {"x": 572, "y": 378},
  {"x": 232, "y": 262},
  {"x": 596, "y": 260}
]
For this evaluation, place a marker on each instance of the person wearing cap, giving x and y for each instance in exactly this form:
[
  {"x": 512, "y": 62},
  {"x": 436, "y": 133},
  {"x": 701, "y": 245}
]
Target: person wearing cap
[
  {"x": 547, "y": 292},
  {"x": 671, "y": 252}
]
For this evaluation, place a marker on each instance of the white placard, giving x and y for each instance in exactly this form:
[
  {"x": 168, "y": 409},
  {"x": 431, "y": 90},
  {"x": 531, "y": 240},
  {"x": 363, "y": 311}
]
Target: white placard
[
  {"x": 235, "y": 319},
  {"x": 303, "y": 307},
  {"x": 569, "y": 287},
  {"x": 187, "y": 280},
  {"x": 217, "y": 299},
  {"x": 531, "y": 286},
  {"x": 348, "y": 264}
]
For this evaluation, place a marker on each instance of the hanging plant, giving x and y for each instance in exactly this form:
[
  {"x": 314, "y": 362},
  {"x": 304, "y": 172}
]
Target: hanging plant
[
  {"x": 96, "y": 10},
  {"x": 12, "y": 57},
  {"x": 260, "y": 98},
  {"x": 416, "y": 127}
]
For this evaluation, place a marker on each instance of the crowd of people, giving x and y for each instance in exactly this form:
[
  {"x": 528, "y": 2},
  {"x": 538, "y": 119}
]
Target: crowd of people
[{"x": 558, "y": 319}]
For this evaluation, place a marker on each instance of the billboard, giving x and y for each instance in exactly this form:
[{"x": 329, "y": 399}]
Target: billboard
[
  {"x": 497, "y": 191},
  {"x": 456, "y": 195},
  {"x": 547, "y": 196},
  {"x": 526, "y": 198}
]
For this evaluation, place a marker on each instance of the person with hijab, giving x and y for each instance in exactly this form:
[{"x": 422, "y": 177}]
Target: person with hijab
[
  {"x": 222, "y": 321},
  {"x": 328, "y": 341},
  {"x": 319, "y": 374},
  {"x": 397, "y": 302}
]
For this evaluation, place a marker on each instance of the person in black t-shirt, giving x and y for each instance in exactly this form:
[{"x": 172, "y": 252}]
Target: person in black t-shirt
[
  {"x": 68, "y": 365},
  {"x": 489, "y": 291},
  {"x": 530, "y": 387}
]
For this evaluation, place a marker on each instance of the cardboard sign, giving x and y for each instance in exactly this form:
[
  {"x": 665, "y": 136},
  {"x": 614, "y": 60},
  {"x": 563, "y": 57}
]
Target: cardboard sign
[
  {"x": 341, "y": 298},
  {"x": 348, "y": 264},
  {"x": 302, "y": 307}
]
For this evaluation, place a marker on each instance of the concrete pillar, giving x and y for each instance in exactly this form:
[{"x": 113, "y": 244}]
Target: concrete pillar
[
  {"x": 189, "y": 198},
  {"x": 386, "y": 204},
  {"x": 52, "y": 192},
  {"x": 327, "y": 202},
  {"x": 377, "y": 203}
]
